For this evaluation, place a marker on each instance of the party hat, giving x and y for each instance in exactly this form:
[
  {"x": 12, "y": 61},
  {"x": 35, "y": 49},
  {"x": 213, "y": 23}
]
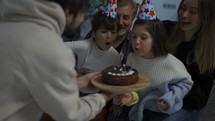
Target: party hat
[
  {"x": 110, "y": 10},
  {"x": 147, "y": 11}
]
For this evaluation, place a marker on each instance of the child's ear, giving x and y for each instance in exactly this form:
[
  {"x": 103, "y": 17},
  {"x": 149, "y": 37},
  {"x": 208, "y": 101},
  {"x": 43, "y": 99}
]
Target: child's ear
[
  {"x": 66, "y": 11},
  {"x": 68, "y": 15}
]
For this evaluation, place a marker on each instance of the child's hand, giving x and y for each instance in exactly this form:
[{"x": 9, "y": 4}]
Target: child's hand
[
  {"x": 162, "y": 104},
  {"x": 123, "y": 99},
  {"x": 116, "y": 110}
]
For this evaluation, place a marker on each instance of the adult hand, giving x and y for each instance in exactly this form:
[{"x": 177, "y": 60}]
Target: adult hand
[
  {"x": 162, "y": 104},
  {"x": 84, "y": 81},
  {"x": 84, "y": 71},
  {"x": 108, "y": 96}
]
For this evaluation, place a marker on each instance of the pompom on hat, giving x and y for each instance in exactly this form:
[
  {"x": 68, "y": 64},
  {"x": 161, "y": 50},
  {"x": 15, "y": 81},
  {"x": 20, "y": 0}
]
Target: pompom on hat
[
  {"x": 147, "y": 11},
  {"x": 110, "y": 10}
]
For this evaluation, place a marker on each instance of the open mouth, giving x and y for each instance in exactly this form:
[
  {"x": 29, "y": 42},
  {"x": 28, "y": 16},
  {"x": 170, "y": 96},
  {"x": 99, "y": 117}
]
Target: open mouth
[
  {"x": 185, "y": 22},
  {"x": 107, "y": 44},
  {"x": 136, "y": 49}
]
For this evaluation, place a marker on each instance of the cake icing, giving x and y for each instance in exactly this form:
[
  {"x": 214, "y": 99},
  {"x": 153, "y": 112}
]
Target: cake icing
[{"x": 120, "y": 75}]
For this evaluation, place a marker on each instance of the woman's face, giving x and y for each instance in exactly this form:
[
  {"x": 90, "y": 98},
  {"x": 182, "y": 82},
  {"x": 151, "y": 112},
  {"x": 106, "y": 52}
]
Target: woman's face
[
  {"x": 189, "y": 16},
  {"x": 104, "y": 38},
  {"x": 142, "y": 42}
]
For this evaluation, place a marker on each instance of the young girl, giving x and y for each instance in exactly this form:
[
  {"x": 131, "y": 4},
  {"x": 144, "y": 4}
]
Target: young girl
[{"x": 170, "y": 81}]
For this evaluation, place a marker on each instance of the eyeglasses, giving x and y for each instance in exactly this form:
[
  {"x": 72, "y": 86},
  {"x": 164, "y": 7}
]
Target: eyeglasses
[{"x": 191, "y": 10}]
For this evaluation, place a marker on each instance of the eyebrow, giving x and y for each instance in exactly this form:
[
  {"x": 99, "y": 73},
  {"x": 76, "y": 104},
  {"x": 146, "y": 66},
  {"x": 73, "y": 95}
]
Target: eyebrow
[
  {"x": 189, "y": 6},
  {"x": 142, "y": 34},
  {"x": 193, "y": 7}
]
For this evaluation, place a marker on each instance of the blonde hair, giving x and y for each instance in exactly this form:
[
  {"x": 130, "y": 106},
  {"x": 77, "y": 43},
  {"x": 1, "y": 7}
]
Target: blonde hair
[
  {"x": 204, "y": 52},
  {"x": 205, "y": 46}
]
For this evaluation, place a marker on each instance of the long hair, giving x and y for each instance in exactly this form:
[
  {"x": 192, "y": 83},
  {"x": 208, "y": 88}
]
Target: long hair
[
  {"x": 204, "y": 52},
  {"x": 205, "y": 46}
]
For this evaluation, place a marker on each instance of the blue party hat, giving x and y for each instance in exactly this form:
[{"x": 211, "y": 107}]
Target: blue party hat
[
  {"x": 110, "y": 10},
  {"x": 147, "y": 11}
]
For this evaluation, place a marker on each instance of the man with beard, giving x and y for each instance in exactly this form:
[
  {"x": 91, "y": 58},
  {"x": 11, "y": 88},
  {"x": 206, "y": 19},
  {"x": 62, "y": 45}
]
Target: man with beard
[
  {"x": 126, "y": 11},
  {"x": 72, "y": 29},
  {"x": 37, "y": 70},
  {"x": 125, "y": 14}
]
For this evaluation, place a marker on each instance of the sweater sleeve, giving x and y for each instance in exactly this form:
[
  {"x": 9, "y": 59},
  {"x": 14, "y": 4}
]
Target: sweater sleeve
[
  {"x": 177, "y": 89},
  {"x": 53, "y": 84}
]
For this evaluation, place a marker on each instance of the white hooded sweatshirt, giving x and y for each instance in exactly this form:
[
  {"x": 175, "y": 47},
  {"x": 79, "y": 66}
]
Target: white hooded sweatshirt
[{"x": 36, "y": 68}]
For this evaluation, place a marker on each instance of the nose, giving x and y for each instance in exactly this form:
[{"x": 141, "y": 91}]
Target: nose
[
  {"x": 136, "y": 41},
  {"x": 120, "y": 21},
  {"x": 81, "y": 18},
  {"x": 109, "y": 34},
  {"x": 185, "y": 13}
]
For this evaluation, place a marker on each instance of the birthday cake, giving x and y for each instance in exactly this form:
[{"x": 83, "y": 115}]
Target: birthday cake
[{"x": 120, "y": 75}]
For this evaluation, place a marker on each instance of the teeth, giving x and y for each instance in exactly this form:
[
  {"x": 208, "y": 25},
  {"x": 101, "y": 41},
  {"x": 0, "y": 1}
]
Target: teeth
[
  {"x": 185, "y": 21},
  {"x": 121, "y": 32}
]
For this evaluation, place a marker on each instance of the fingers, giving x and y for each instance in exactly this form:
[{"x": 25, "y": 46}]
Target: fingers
[
  {"x": 116, "y": 110},
  {"x": 162, "y": 104},
  {"x": 123, "y": 99},
  {"x": 92, "y": 74},
  {"x": 108, "y": 96}
]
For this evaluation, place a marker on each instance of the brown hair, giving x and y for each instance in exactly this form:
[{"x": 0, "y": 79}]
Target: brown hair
[
  {"x": 158, "y": 33},
  {"x": 101, "y": 20},
  {"x": 205, "y": 46}
]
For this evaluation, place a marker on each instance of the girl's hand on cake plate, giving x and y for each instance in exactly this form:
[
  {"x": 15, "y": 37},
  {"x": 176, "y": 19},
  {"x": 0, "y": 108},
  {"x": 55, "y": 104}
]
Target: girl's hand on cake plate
[
  {"x": 116, "y": 110},
  {"x": 162, "y": 104},
  {"x": 123, "y": 99}
]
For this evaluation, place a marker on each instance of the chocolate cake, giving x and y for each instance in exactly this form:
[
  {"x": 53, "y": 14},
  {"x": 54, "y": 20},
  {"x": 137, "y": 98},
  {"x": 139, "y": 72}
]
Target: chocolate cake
[{"x": 120, "y": 75}]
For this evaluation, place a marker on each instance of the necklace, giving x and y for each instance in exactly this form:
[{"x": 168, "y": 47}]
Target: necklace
[{"x": 190, "y": 57}]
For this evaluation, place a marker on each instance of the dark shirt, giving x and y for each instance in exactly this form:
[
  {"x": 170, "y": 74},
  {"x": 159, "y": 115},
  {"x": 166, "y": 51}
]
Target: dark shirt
[
  {"x": 125, "y": 48},
  {"x": 200, "y": 91},
  {"x": 198, "y": 95}
]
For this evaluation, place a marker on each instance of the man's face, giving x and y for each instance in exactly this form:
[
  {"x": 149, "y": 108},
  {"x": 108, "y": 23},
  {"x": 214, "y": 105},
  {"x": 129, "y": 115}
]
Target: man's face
[
  {"x": 73, "y": 23},
  {"x": 124, "y": 19}
]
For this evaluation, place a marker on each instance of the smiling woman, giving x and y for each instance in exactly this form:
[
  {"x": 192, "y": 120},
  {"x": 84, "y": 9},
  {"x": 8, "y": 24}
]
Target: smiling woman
[{"x": 192, "y": 41}]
